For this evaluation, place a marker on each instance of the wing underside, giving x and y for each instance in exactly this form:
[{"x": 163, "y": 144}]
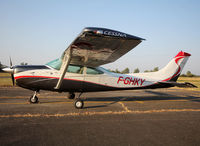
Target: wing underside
[{"x": 98, "y": 46}]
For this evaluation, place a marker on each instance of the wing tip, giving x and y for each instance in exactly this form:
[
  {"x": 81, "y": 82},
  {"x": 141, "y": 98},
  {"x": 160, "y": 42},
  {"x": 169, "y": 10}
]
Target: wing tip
[{"x": 110, "y": 32}]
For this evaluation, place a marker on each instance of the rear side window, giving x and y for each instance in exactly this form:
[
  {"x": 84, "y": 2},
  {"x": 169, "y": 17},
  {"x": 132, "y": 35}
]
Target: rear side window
[
  {"x": 93, "y": 71},
  {"x": 75, "y": 69}
]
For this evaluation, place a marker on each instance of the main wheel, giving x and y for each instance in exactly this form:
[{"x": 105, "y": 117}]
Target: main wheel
[
  {"x": 33, "y": 99},
  {"x": 79, "y": 104}
]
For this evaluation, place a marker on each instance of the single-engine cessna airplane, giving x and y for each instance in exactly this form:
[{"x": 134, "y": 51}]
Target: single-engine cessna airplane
[{"x": 78, "y": 69}]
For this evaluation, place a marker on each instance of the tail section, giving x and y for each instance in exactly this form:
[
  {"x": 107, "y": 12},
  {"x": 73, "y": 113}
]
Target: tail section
[
  {"x": 174, "y": 68},
  {"x": 170, "y": 72}
]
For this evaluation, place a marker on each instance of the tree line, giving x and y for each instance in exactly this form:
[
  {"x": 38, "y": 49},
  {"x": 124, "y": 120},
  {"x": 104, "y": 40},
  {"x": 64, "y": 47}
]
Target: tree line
[{"x": 126, "y": 71}]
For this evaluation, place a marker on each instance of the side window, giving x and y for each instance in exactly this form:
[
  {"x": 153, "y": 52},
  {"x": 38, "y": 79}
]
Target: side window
[
  {"x": 93, "y": 71},
  {"x": 75, "y": 69}
]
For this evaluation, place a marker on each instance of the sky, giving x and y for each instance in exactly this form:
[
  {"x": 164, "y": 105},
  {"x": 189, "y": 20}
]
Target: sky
[{"x": 38, "y": 31}]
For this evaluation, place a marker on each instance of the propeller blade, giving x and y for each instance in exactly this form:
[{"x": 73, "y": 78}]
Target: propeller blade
[
  {"x": 10, "y": 63},
  {"x": 13, "y": 79},
  {"x": 12, "y": 72}
]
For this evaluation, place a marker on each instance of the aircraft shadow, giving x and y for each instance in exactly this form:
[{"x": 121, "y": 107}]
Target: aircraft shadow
[
  {"x": 103, "y": 105},
  {"x": 156, "y": 96},
  {"x": 134, "y": 98}
]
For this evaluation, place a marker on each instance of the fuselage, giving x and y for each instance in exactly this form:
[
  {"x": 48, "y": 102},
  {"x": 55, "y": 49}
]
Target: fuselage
[
  {"x": 78, "y": 79},
  {"x": 88, "y": 79}
]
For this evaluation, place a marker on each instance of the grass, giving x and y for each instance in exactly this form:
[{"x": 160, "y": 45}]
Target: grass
[
  {"x": 4, "y": 74},
  {"x": 5, "y": 80},
  {"x": 193, "y": 80}
]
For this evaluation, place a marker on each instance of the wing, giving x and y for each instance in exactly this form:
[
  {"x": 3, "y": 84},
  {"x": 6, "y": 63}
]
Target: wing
[
  {"x": 98, "y": 46},
  {"x": 95, "y": 47}
]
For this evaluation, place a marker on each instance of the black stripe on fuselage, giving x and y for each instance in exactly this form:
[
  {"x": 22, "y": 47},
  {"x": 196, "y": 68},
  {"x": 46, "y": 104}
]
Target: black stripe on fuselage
[{"x": 70, "y": 85}]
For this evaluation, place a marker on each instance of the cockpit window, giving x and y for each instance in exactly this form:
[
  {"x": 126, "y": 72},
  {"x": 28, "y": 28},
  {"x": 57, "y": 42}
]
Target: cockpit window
[
  {"x": 93, "y": 71},
  {"x": 56, "y": 64}
]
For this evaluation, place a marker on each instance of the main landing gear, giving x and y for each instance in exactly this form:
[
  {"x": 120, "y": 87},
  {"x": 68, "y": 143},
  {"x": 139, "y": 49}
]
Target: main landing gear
[
  {"x": 78, "y": 103},
  {"x": 34, "y": 98}
]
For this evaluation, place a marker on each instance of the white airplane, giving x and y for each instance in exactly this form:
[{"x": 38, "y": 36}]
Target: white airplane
[{"x": 77, "y": 70}]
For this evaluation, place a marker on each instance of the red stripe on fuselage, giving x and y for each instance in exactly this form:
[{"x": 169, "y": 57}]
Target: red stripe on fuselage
[{"x": 19, "y": 77}]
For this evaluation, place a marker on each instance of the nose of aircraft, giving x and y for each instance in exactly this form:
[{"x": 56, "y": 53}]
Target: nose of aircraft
[{"x": 8, "y": 70}]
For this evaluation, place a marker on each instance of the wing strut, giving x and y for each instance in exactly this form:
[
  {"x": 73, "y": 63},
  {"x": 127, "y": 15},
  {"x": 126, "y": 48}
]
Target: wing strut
[{"x": 65, "y": 63}]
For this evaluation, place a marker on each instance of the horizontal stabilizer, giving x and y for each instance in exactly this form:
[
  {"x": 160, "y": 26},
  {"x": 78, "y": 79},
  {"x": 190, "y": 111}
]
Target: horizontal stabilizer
[{"x": 182, "y": 85}]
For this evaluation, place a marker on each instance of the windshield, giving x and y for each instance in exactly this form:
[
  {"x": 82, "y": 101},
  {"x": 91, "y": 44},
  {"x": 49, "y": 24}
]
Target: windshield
[{"x": 56, "y": 64}]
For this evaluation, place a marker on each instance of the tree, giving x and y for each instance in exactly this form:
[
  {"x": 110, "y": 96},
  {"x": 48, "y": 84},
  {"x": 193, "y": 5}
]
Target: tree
[
  {"x": 189, "y": 74},
  {"x": 125, "y": 71},
  {"x": 117, "y": 71},
  {"x": 155, "y": 69},
  {"x": 1, "y": 65},
  {"x": 146, "y": 71},
  {"x": 136, "y": 70},
  {"x": 23, "y": 63},
  {"x": 183, "y": 75}
]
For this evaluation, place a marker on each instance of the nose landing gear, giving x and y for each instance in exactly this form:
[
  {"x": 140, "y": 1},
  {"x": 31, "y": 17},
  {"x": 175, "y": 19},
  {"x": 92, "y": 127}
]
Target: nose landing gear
[{"x": 34, "y": 98}]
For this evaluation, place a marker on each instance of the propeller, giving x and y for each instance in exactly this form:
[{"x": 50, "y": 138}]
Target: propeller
[{"x": 12, "y": 73}]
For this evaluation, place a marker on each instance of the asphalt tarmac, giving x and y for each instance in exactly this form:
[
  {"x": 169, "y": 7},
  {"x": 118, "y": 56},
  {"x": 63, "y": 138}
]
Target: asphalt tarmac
[{"x": 140, "y": 117}]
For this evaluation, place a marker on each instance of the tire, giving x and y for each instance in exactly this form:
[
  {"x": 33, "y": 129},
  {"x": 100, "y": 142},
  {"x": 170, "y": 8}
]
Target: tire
[
  {"x": 79, "y": 104},
  {"x": 33, "y": 100}
]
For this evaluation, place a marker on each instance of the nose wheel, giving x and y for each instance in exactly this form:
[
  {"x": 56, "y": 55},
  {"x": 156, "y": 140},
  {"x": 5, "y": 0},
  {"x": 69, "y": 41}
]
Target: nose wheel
[{"x": 34, "y": 98}]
